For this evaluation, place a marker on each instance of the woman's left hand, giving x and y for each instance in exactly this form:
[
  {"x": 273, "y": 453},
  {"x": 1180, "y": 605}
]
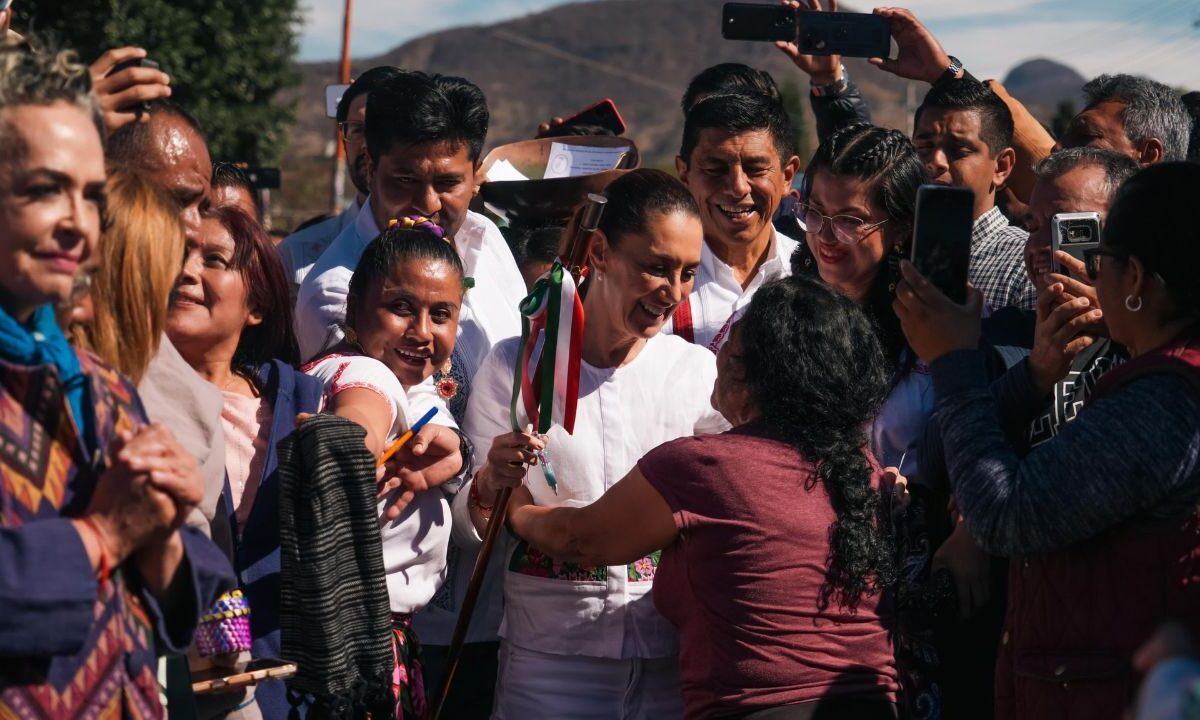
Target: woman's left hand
[{"x": 934, "y": 324}]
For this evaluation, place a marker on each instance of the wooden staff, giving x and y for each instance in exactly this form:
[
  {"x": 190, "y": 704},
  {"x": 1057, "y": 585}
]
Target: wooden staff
[{"x": 575, "y": 262}]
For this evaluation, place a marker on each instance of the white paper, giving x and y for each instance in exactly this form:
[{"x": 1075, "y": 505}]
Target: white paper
[
  {"x": 504, "y": 171},
  {"x": 575, "y": 160}
]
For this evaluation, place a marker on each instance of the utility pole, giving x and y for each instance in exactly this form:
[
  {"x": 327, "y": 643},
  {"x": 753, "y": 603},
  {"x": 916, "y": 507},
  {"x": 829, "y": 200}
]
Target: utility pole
[{"x": 339, "y": 166}]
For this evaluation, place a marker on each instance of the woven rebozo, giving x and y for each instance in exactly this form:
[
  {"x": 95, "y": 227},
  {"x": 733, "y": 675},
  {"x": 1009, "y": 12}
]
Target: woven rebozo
[{"x": 335, "y": 618}]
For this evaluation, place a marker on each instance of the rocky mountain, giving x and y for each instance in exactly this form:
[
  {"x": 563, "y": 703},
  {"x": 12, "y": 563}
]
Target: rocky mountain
[
  {"x": 640, "y": 53},
  {"x": 1042, "y": 84}
]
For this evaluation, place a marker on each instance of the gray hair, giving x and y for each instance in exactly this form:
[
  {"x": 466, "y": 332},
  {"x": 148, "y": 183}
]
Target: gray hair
[
  {"x": 1153, "y": 111},
  {"x": 32, "y": 74},
  {"x": 1117, "y": 167}
]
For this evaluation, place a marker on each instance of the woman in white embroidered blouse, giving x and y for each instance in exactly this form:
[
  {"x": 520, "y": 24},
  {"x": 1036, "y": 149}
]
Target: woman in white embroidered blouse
[
  {"x": 401, "y": 320},
  {"x": 579, "y": 641}
]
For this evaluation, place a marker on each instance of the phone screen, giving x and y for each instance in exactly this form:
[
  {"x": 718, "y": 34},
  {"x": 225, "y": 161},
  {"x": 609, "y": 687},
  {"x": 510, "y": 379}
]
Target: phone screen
[{"x": 941, "y": 247}]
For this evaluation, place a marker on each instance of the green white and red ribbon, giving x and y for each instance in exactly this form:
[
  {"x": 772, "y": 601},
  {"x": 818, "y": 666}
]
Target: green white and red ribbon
[{"x": 546, "y": 378}]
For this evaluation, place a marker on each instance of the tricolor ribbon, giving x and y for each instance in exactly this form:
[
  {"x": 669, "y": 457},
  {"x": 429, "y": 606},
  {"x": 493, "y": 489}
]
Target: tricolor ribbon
[{"x": 546, "y": 378}]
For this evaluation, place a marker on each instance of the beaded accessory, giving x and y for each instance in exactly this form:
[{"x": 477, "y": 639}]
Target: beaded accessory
[
  {"x": 225, "y": 628},
  {"x": 419, "y": 222}
]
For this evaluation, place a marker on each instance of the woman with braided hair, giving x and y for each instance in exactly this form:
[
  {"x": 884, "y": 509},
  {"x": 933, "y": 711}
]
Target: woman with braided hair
[
  {"x": 772, "y": 555},
  {"x": 860, "y": 197}
]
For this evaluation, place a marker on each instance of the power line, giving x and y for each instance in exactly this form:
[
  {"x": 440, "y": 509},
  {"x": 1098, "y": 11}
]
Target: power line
[{"x": 586, "y": 62}]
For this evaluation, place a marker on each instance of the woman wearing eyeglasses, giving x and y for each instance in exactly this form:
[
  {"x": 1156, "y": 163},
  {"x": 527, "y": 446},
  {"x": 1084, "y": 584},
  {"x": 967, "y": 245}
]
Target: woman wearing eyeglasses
[
  {"x": 1101, "y": 521},
  {"x": 860, "y": 199}
]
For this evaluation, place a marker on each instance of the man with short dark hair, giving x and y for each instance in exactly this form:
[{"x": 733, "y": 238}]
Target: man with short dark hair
[
  {"x": 1135, "y": 116},
  {"x": 302, "y": 248},
  {"x": 424, "y": 138},
  {"x": 738, "y": 161},
  {"x": 963, "y": 135},
  {"x": 232, "y": 187}
]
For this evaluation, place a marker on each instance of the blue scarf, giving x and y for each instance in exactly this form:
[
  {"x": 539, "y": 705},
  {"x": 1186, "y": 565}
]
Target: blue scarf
[{"x": 43, "y": 343}]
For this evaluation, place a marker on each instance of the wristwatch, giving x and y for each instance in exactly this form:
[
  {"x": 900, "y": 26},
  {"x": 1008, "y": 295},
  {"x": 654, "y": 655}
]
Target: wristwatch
[
  {"x": 951, "y": 72},
  {"x": 837, "y": 87}
]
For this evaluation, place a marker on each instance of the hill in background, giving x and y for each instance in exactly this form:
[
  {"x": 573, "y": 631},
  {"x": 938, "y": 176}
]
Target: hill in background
[{"x": 640, "y": 53}]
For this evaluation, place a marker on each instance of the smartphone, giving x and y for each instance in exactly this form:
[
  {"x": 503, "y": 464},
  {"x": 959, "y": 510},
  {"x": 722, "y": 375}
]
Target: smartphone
[
  {"x": 136, "y": 62},
  {"x": 216, "y": 679},
  {"x": 941, "y": 247},
  {"x": 333, "y": 96},
  {"x": 843, "y": 33},
  {"x": 603, "y": 113},
  {"x": 1073, "y": 233},
  {"x": 760, "y": 22}
]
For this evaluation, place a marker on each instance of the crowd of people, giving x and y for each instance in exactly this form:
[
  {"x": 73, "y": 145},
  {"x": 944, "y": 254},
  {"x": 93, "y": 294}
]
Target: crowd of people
[{"x": 801, "y": 481}]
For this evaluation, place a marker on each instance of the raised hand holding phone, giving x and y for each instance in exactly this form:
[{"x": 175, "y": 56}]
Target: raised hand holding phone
[
  {"x": 822, "y": 69},
  {"x": 919, "y": 55}
]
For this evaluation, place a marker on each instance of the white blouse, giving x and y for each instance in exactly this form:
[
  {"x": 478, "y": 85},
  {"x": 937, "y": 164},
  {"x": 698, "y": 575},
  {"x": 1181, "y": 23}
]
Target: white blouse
[
  {"x": 623, "y": 413},
  {"x": 414, "y": 545}
]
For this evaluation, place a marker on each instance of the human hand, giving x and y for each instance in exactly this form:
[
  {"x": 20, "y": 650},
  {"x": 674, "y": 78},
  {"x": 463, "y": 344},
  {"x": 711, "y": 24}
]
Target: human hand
[
  {"x": 121, "y": 94},
  {"x": 507, "y": 462},
  {"x": 1077, "y": 284},
  {"x": 900, "y": 498},
  {"x": 428, "y": 460},
  {"x": 1059, "y": 335},
  {"x": 126, "y": 510},
  {"x": 919, "y": 55},
  {"x": 552, "y": 123},
  {"x": 822, "y": 69},
  {"x": 933, "y": 323},
  {"x": 970, "y": 567}
]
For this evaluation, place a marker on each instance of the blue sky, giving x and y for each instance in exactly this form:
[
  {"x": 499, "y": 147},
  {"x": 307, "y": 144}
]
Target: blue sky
[{"x": 1157, "y": 38}]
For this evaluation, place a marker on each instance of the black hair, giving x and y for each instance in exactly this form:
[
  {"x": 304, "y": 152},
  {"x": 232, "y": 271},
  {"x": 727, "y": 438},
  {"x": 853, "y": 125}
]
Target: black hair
[
  {"x": 1154, "y": 217},
  {"x": 728, "y": 78},
  {"x": 133, "y": 142},
  {"x": 788, "y": 335},
  {"x": 536, "y": 244},
  {"x": 1191, "y": 101},
  {"x": 637, "y": 194},
  {"x": 738, "y": 112},
  {"x": 995, "y": 119},
  {"x": 229, "y": 175},
  {"x": 396, "y": 245},
  {"x": 362, "y": 85},
  {"x": 888, "y": 161},
  {"x": 413, "y": 107}
]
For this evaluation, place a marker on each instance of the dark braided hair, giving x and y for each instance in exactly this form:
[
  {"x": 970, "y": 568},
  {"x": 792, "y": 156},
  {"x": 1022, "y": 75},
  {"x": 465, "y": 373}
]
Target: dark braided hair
[
  {"x": 818, "y": 376},
  {"x": 888, "y": 162},
  {"x": 396, "y": 245}
]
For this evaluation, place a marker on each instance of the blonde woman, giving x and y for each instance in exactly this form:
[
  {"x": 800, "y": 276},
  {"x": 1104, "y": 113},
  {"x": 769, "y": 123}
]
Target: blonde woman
[{"x": 140, "y": 254}]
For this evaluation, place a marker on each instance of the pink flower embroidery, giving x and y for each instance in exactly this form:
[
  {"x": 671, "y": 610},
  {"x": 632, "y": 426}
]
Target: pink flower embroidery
[{"x": 447, "y": 387}]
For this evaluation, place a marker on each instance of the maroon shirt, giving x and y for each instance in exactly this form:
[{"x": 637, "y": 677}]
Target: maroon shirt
[{"x": 741, "y": 581}]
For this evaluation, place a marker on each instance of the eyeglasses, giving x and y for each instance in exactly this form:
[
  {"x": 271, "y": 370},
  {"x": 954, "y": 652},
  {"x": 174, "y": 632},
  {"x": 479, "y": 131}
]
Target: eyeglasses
[
  {"x": 1091, "y": 260},
  {"x": 847, "y": 229},
  {"x": 350, "y": 130}
]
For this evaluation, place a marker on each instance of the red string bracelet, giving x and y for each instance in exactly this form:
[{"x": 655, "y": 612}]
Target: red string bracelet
[{"x": 104, "y": 569}]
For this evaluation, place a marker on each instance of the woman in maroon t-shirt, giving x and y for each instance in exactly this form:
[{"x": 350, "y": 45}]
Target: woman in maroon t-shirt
[{"x": 773, "y": 556}]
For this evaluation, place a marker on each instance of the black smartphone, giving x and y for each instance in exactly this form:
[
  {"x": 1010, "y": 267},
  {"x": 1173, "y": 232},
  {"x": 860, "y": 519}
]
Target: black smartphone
[
  {"x": 941, "y": 246},
  {"x": 1073, "y": 233},
  {"x": 603, "y": 113},
  {"x": 136, "y": 62},
  {"x": 842, "y": 33},
  {"x": 756, "y": 21}
]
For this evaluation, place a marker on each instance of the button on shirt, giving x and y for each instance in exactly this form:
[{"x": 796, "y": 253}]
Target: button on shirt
[
  {"x": 998, "y": 262},
  {"x": 301, "y": 249},
  {"x": 489, "y": 311},
  {"x": 717, "y": 294}
]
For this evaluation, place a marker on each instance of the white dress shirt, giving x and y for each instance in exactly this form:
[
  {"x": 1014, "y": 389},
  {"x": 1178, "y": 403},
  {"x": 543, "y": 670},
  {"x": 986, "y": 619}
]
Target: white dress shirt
[
  {"x": 489, "y": 312},
  {"x": 301, "y": 249},
  {"x": 717, "y": 295},
  {"x": 623, "y": 413}
]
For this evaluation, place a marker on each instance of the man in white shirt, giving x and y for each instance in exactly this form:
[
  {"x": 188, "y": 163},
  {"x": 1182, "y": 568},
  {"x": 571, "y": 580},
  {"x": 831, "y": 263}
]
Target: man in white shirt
[
  {"x": 738, "y": 160},
  {"x": 300, "y": 250}
]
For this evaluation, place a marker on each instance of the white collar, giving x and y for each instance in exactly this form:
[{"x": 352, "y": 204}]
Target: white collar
[
  {"x": 722, "y": 273},
  {"x": 364, "y": 225}
]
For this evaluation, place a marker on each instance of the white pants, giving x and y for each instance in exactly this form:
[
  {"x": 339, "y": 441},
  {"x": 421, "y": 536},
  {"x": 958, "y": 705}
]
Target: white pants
[{"x": 532, "y": 684}]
